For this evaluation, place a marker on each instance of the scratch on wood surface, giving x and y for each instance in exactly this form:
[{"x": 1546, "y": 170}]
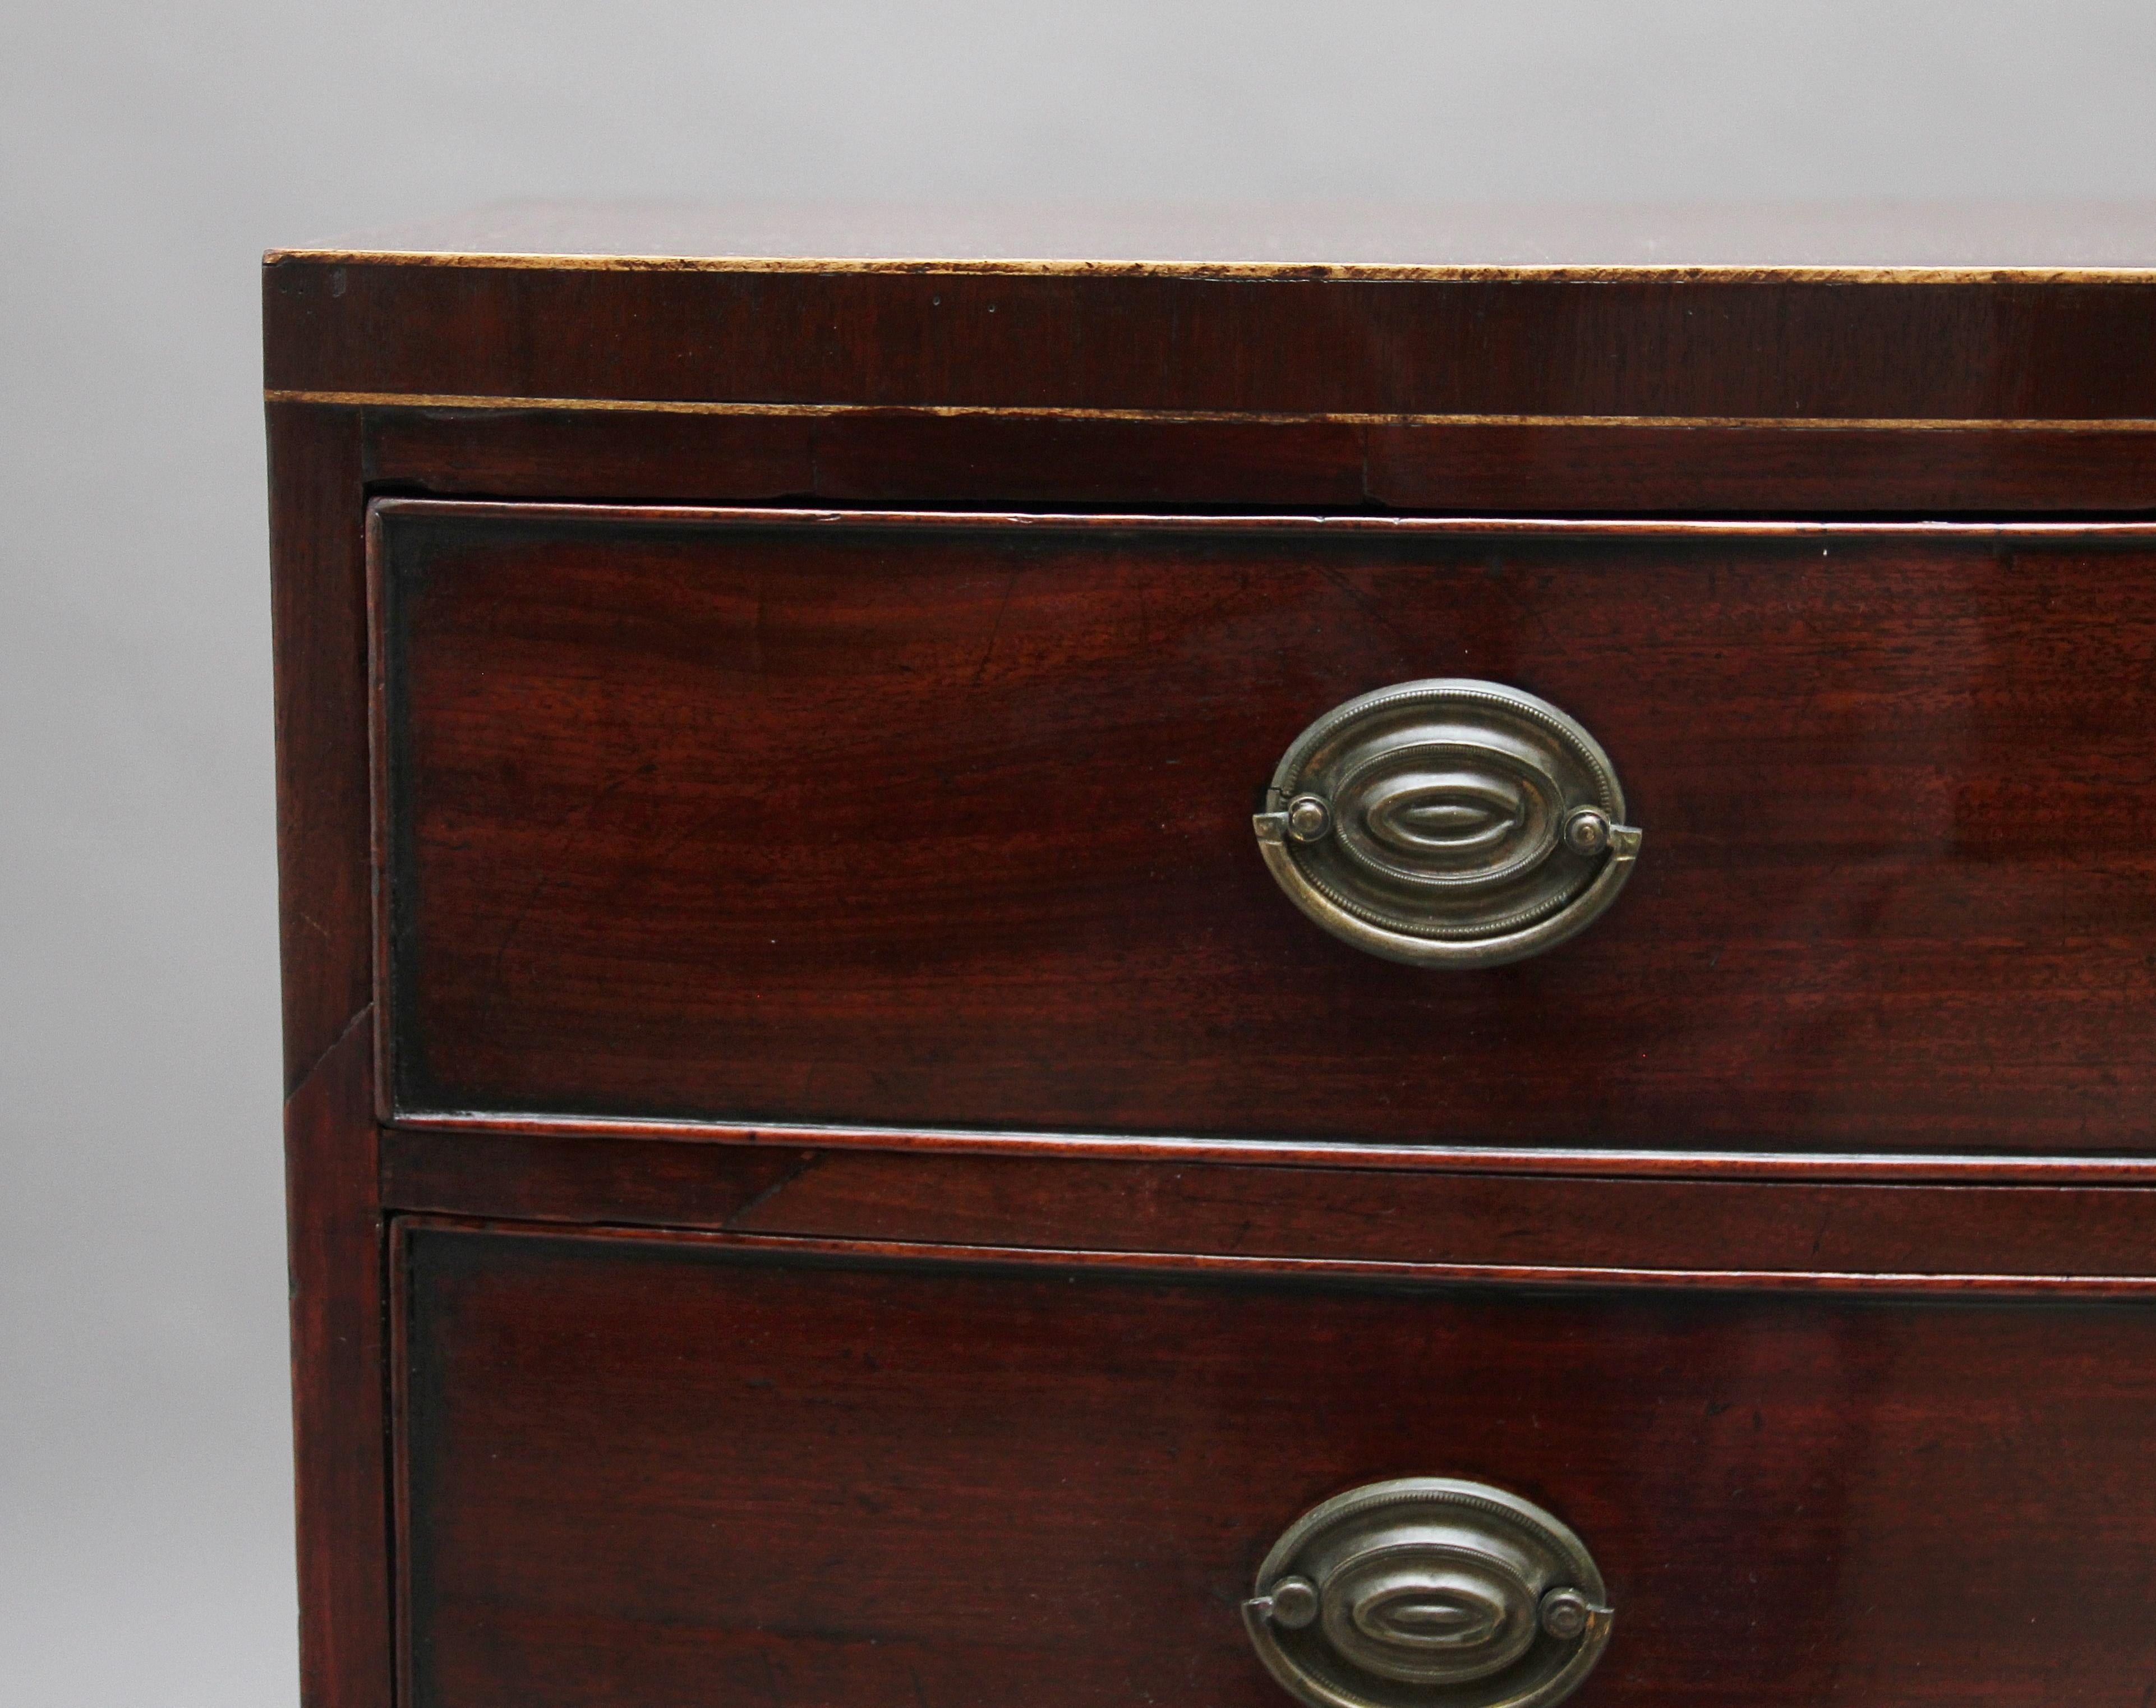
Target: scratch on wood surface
[
  {"x": 362, "y": 1016},
  {"x": 994, "y": 631},
  {"x": 809, "y": 1162}
]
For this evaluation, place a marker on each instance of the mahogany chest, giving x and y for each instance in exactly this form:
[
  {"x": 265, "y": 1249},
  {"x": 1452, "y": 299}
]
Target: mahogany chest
[{"x": 1404, "y": 965}]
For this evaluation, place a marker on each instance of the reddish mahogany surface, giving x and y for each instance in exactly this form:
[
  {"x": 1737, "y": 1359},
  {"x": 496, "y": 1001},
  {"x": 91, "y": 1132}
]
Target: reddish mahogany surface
[
  {"x": 870, "y": 456},
  {"x": 335, "y": 1225},
  {"x": 1286, "y": 236},
  {"x": 1673, "y": 1232},
  {"x": 948, "y": 824},
  {"x": 336, "y": 1220},
  {"x": 1711, "y": 345},
  {"x": 318, "y": 609},
  {"x": 655, "y": 1478},
  {"x": 657, "y": 1471}
]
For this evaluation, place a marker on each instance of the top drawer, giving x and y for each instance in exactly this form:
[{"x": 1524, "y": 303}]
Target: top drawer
[{"x": 945, "y": 821}]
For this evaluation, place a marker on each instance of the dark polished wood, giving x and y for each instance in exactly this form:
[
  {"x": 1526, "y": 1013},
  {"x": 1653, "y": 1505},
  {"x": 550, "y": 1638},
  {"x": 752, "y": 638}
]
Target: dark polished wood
[
  {"x": 1679, "y": 1232},
  {"x": 1599, "y": 1162},
  {"x": 995, "y": 867},
  {"x": 318, "y": 615},
  {"x": 1986, "y": 237},
  {"x": 1712, "y": 346},
  {"x": 335, "y": 1230},
  {"x": 1788, "y": 1233},
  {"x": 878, "y": 456},
  {"x": 337, "y": 1221},
  {"x": 658, "y": 1469}
]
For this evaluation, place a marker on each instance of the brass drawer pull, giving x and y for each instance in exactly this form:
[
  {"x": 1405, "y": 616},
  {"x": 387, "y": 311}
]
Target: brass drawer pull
[
  {"x": 1448, "y": 823},
  {"x": 1429, "y": 1592}
]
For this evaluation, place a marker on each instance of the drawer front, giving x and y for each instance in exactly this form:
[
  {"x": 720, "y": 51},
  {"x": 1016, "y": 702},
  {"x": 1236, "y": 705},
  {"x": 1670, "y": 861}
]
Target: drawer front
[
  {"x": 752, "y": 817},
  {"x": 659, "y": 1470}
]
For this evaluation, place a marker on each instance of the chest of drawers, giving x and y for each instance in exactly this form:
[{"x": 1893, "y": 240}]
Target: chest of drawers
[{"x": 1389, "y": 966}]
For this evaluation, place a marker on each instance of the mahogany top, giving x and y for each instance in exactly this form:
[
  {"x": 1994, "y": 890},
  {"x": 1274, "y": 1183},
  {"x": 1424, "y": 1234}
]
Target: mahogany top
[
  {"x": 1867, "y": 236},
  {"x": 1872, "y": 313}
]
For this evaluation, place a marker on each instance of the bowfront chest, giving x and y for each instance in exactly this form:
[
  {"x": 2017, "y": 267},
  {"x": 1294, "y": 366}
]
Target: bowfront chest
[{"x": 1232, "y": 960}]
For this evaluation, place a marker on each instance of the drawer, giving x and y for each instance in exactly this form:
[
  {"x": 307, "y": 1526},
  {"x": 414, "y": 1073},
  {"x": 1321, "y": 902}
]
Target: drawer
[
  {"x": 661, "y": 1470},
  {"x": 947, "y": 822}
]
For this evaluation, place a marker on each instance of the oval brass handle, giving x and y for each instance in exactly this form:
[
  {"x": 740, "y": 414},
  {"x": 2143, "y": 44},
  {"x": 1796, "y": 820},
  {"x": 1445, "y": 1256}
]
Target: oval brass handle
[
  {"x": 1429, "y": 1592},
  {"x": 1448, "y": 823}
]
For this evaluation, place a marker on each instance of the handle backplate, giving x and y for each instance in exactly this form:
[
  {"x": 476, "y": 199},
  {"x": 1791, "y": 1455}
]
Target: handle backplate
[
  {"x": 1448, "y": 823},
  {"x": 1429, "y": 1592}
]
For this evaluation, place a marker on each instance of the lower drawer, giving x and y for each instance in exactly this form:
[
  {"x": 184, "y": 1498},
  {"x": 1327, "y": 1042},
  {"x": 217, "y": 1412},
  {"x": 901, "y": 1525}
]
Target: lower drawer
[{"x": 670, "y": 1469}]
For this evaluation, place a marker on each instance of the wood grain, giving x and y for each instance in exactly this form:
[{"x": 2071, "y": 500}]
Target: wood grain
[
  {"x": 1524, "y": 468},
  {"x": 335, "y": 1227},
  {"x": 334, "y": 1231},
  {"x": 1306, "y": 237},
  {"x": 944, "y": 822},
  {"x": 1641, "y": 1232},
  {"x": 318, "y": 616},
  {"x": 1803, "y": 1201},
  {"x": 659, "y": 1470},
  {"x": 1875, "y": 1167},
  {"x": 2001, "y": 348}
]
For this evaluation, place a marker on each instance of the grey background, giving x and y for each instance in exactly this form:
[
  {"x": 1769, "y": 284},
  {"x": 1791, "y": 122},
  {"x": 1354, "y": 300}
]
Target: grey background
[{"x": 150, "y": 153}]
